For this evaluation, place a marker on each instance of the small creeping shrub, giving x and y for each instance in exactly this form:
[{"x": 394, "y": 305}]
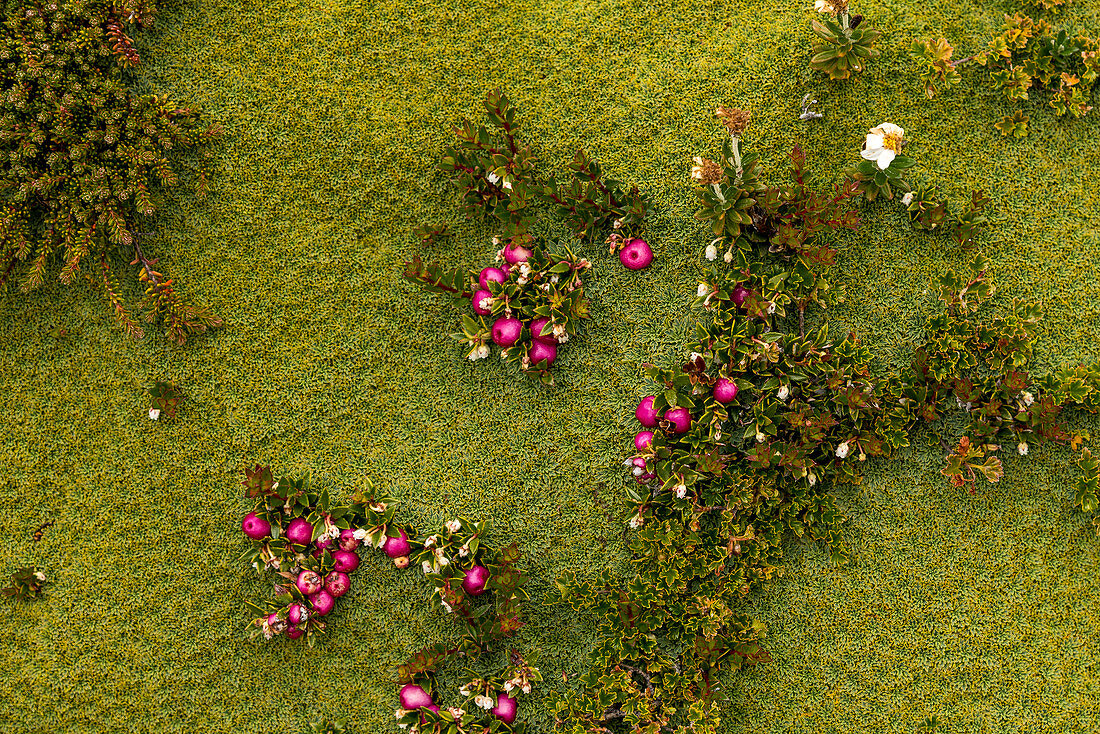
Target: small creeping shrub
[
  {"x": 843, "y": 44},
  {"x": 84, "y": 158},
  {"x": 26, "y": 584},
  {"x": 312, "y": 543}
]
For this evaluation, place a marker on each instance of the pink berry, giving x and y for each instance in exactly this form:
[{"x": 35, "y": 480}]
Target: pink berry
[
  {"x": 642, "y": 440},
  {"x": 345, "y": 561},
  {"x": 299, "y": 531},
  {"x": 725, "y": 390},
  {"x": 297, "y": 614},
  {"x": 294, "y": 632},
  {"x": 473, "y": 583},
  {"x": 740, "y": 293},
  {"x": 491, "y": 275},
  {"x": 337, "y": 583},
  {"x": 505, "y": 710},
  {"x": 320, "y": 545},
  {"x": 515, "y": 253},
  {"x": 476, "y": 300},
  {"x": 537, "y": 327},
  {"x": 506, "y": 331},
  {"x": 645, "y": 413},
  {"x": 639, "y": 462},
  {"x": 397, "y": 547},
  {"x": 308, "y": 582},
  {"x": 680, "y": 419},
  {"x": 413, "y": 697},
  {"x": 322, "y": 602},
  {"x": 255, "y": 527},
  {"x": 540, "y": 351},
  {"x": 348, "y": 541},
  {"x": 636, "y": 255}
]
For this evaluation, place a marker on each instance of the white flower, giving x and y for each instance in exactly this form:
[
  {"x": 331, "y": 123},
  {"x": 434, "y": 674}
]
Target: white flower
[
  {"x": 496, "y": 241},
  {"x": 638, "y": 471},
  {"x": 426, "y": 566},
  {"x": 842, "y": 450},
  {"x": 431, "y": 540},
  {"x": 771, "y": 307},
  {"x": 862, "y": 456},
  {"x": 526, "y": 688},
  {"x": 681, "y": 491},
  {"x": 522, "y": 280},
  {"x": 483, "y": 701},
  {"x": 40, "y": 576},
  {"x": 545, "y": 287},
  {"x": 465, "y": 690},
  {"x": 483, "y": 351},
  {"x": 360, "y": 534},
  {"x": 883, "y": 144},
  {"x": 823, "y": 6},
  {"x": 447, "y": 606},
  {"x": 728, "y": 257},
  {"x": 812, "y": 478},
  {"x": 464, "y": 551},
  {"x": 399, "y": 713},
  {"x": 524, "y": 269},
  {"x": 1028, "y": 398},
  {"x": 508, "y": 185},
  {"x": 154, "y": 414},
  {"x": 494, "y": 179},
  {"x": 508, "y": 686},
  {"x": 256, "y": 565},
  {"x": 907, "y": 199},
  {"x": 717, "y": 435},
  {"x": 554, "y": 278},
  {"x": 559, "y": 333},
  {"x": 712, "y": 252},
  {"x": 453, "y": 526},
  {"x": 636, "y": 522},
  {"x": 694, "y": 356},
  {"x": 1022, "y": 448},
  {"x": 702, "y": 290},
  {"x": 783, "y": 392},
  {"x": 760, "y": 437},
  {"x": 618, "y": 223}
]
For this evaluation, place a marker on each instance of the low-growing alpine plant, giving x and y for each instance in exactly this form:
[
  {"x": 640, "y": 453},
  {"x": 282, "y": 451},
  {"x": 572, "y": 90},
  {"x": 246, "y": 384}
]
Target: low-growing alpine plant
[
  {"x": 531, "y": 299},
  {"x": 742, "y": 444},
  {"x": 844, "y": 44},
  {"x": 312, "y": 545}
]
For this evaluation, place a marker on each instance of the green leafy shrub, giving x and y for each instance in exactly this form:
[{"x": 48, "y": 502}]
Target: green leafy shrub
[
  {"x": 842, "y": 47},
  {"x": 84, "y": 159},
  {"x": 26, "y": 584}
]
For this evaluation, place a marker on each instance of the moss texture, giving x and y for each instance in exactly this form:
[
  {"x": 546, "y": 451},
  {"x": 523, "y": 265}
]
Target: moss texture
[{"x": 983, "y": 610}]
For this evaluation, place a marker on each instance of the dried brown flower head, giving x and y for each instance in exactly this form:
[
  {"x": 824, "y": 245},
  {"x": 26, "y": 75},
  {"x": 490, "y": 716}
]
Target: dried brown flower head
[
  {"x": 706, "y": 171},
  {"x": 836, "y": 7},
  {"x": 734, "y": 119}
]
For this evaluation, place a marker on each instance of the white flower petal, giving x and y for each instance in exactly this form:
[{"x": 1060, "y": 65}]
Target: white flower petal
[{"x": 885, "y": 158}]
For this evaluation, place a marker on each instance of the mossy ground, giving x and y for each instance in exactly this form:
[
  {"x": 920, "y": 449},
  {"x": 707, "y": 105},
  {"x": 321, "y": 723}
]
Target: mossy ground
[{"x": 983, "y": 610}]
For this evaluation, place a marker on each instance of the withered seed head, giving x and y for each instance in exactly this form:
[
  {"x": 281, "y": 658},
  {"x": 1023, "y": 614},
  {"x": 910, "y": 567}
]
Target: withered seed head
[{"x": 734, "y": 119}]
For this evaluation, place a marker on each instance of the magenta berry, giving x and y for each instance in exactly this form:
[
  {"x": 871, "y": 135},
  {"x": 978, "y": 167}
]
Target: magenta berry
[
  {"x": 309, "y": 582},
  {"x": 506, "y": 331},
  {"x": 322, "y": 603},
  {"x": 255, "y": 527},
  {"x": 505, "y": 710},
  {"x": 348, "y": 541},
  {"x": 645, "y": 412},
  {"x": 636, "y": 255},
  {"x": 274, "y": 621},
  {"x": 515, "y": 253},
  {"x": 642, "y": 440},
  {"x": 473, "y": 583},
  {"x": 680, "y": 419},
  {"x": 397, "y": 547},
  {"x": 297, "y": 614},
  {"x": 320, "y": 545},
  {"x": 537, "y": 327},
  {"x": 639, "y": 462},
  {"x": 414, "y": 697},
  {"x": 299, "y": 531},
  {"x": 540, "y": 351},
  {"x": 725, "y": 390},
  {"x": 740, "y": 293},
  {"x": 491, "y": 275},
  {"x": 337, "y": 583},
  {"x": 476, "y": 300},
  {"x": 294, "y": 632},
  {"x": 345, "y": 561}
]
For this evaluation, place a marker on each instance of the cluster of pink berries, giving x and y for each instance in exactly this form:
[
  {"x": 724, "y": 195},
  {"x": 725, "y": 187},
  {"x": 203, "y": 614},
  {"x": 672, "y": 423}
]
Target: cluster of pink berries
[{"x": 414, "y": 697}]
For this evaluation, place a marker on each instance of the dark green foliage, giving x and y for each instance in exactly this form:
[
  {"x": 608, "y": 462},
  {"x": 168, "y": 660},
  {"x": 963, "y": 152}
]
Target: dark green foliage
[
  {"x": 26, "y": 584},
  {"x": 872, "y": 181},
  {"x": 930, "y": 213},
  {"x": 84, "y": 158},
  {"x": 1029, "y": 54},
  {"x": 842, "y": 47},
  {"x": 165, "y": 397},
  {"x": 936, "y": 65},
  {"x": 329, "y": 726},
  {"x": 589, "y": 202}
]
